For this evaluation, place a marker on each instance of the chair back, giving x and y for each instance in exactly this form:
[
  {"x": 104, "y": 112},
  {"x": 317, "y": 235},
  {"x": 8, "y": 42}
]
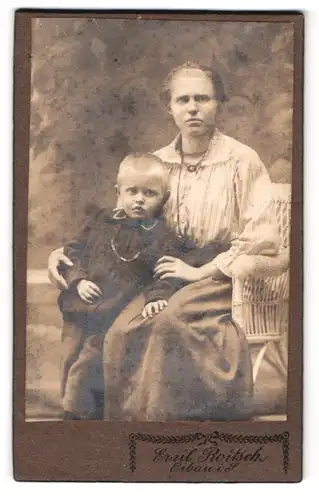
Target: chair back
[
  {"x": 282, "y": 201},
  {"x": 261, "y": 306}
]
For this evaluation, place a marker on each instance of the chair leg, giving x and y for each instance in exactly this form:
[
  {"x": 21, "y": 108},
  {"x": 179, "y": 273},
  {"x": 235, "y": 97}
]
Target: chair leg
[
  {"x": 258, "y": 361},
  {"x": 279, "y": 364}
]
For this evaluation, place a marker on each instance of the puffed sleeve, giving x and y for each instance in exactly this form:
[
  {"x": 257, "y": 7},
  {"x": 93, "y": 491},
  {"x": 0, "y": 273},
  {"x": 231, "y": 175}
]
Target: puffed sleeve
[{"x": 254, "y": 230}]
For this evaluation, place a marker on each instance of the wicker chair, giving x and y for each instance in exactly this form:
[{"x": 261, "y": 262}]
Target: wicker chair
[{"x": 261, "y": 299}]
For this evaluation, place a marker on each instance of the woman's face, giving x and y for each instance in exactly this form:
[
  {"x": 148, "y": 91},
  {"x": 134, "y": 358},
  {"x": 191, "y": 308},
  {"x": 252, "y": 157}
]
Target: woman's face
[{"x": 193, "y": 103}]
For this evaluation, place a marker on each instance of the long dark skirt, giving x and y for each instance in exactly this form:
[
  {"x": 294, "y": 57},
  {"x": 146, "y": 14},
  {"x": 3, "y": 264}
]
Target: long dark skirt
[{"x": 189, "y": 362}]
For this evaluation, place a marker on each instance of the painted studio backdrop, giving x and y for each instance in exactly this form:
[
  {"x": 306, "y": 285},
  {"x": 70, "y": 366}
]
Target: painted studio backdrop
[{"x": 95, "y": 96}]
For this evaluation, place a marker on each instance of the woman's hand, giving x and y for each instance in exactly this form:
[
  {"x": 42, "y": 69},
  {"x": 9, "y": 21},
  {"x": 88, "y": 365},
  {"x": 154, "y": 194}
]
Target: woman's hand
[
  {"x": 56, "y": 258},
  {"x": 171, "y": 267}
]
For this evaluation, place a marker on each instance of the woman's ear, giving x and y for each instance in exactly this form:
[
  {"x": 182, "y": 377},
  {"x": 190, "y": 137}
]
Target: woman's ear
[
  {"x": 167, "y": 104},
  {"x": 117, "y": 190},
  {"x": 220, "y": 106},
  {"x": 166, "y": 196}
]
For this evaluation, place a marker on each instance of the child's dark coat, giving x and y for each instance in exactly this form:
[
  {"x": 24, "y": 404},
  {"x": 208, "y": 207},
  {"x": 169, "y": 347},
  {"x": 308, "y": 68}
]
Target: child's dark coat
[{"x": 96, "y": 256}]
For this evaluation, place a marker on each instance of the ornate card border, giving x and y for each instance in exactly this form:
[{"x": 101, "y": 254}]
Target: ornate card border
[
  {"x": 213, "y": 438},
  {"x": 124, "y": 451}
]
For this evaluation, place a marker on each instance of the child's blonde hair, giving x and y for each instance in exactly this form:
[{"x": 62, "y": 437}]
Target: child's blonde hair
[{"x": 146, "y": 163}]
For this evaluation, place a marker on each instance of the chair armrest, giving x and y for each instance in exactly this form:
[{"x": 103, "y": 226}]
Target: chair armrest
[
  {"x": 261, "y": 305},
  {"x": 257, "y": 266}
]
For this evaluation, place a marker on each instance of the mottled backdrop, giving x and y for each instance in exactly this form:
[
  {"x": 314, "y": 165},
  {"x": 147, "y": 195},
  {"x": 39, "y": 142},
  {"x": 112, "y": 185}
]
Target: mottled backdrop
[{"x": 96, "y": 94}]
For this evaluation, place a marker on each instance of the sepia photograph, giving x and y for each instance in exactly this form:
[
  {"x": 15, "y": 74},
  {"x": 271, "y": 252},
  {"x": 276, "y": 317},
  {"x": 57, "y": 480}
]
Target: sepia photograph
[{"x": 159, "y": 215}]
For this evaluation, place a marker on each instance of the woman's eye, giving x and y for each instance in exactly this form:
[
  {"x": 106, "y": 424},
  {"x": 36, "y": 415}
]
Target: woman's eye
[
  {"x": 149, "y": 192},
  {"x": 131, "y": 190},
  {"x": 183, "y": 99},
  {"x": 202, "y": 98}
]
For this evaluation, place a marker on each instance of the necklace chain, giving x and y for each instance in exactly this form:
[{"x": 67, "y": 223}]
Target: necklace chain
[
  {"x": 124, "y": 259},
  {"x": 190, "y": 168},
  {"x": 149, "y": 228}
]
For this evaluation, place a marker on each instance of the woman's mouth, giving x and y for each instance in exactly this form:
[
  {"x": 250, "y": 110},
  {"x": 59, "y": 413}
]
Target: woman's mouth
[{"x": 194, "y": 121}]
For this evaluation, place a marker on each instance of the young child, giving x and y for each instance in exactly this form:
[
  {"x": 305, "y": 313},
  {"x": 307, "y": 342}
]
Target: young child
[{"x": 113, "y": 261}]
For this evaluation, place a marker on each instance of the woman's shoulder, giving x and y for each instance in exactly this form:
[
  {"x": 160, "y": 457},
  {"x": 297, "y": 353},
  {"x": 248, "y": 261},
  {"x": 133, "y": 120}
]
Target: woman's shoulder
[
  {"x": 168, "y": 153},
  {"x": 238, "y": 150},
  {"x": 95, "y": 214}
]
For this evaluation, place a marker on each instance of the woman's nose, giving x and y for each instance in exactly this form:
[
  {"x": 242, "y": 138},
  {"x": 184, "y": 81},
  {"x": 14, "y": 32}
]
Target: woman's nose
[{"x": 192, "y": 106}]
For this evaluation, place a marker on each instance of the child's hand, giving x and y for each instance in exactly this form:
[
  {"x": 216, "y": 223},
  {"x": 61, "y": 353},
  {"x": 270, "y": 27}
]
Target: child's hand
[
  {"x": 88, "y": 291},
  {"x": 153, "y": 307}
]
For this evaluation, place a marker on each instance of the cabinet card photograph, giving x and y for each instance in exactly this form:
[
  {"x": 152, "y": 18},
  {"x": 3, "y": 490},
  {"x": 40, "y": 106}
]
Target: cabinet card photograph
[{"x": 158, "y": 284}]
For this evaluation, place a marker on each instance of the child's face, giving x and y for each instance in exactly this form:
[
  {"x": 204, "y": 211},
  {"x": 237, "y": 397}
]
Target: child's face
[{"x": 141, "y": 196}]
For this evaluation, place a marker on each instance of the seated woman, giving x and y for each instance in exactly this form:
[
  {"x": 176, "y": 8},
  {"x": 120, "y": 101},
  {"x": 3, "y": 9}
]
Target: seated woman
[{"x": 191, "y": 361}]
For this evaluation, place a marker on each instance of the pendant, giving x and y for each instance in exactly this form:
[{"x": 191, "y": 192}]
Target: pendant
[{"x": 191, "y": 168}]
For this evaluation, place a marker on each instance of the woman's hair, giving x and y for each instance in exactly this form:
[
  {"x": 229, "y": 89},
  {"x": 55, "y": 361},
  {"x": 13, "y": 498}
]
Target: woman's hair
[
  {"x": 146, "y": 163},
  {"x": 211, "y": 72}
]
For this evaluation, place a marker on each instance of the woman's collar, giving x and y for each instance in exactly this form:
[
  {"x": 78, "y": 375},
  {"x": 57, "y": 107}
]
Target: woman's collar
[{"x": 215, "y": 154}]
